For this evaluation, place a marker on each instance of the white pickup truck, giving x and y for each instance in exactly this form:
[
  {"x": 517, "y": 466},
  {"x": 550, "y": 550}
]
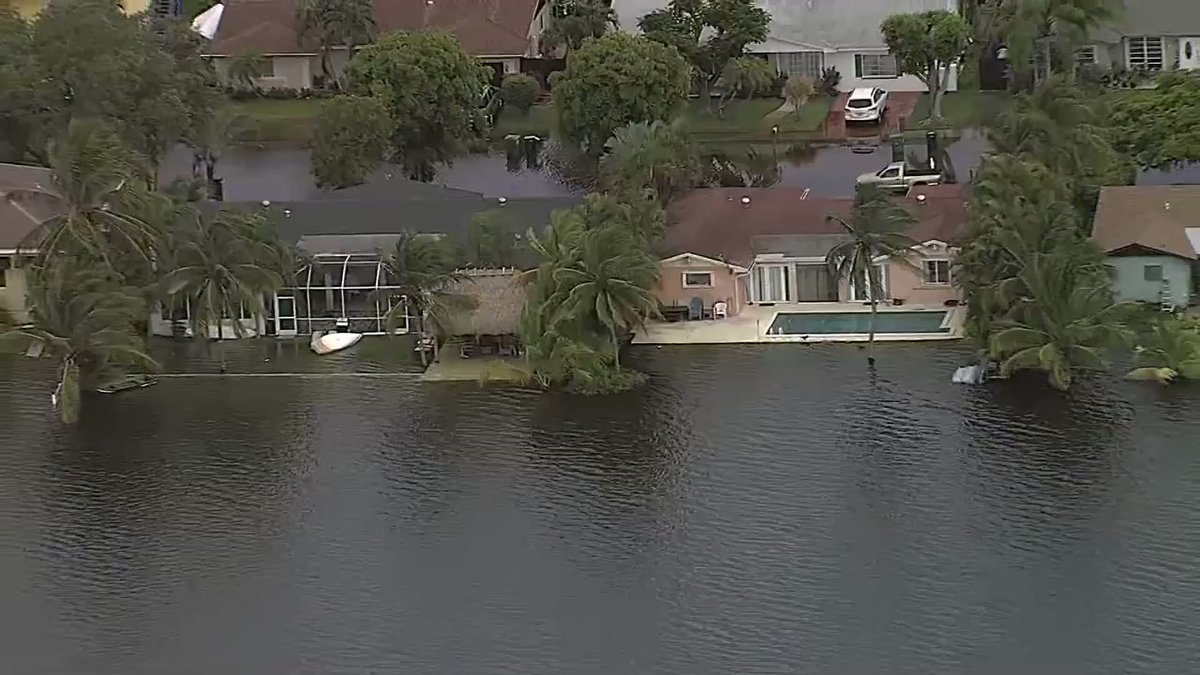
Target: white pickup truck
[{"x": 900, "y": 176}]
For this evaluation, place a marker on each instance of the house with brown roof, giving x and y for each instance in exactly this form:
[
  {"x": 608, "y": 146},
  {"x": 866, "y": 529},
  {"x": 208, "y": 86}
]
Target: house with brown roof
[
  {"x": 22, "y": 210},
  {"x": 1151, "y": 235},
  {"x": 499, "y": 32},
  {"x": 766, "y": 246}
]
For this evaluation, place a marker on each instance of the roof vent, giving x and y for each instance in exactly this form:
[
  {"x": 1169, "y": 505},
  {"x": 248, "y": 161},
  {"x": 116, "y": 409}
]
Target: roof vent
[
  {"x": 1167, "y": 206},
  {"x": 266, "y": 203},
  {"x": 745, "y": 200},
  {"x": 502, "y": 200},
  {"x": 921, "y": 199}
]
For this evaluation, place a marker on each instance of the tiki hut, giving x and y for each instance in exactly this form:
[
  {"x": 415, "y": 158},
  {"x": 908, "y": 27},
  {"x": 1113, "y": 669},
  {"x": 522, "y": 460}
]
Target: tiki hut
[{"x": 489, "y": 325}]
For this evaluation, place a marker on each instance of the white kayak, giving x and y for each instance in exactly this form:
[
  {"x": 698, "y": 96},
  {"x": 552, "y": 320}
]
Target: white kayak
[{"x": 334, "y": 342}]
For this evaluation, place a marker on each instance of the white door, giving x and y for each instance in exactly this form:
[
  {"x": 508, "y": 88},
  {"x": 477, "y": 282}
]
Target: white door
[
  {"x": 771, "y": 283},
  {"x": 1189, "y": 53},
  {"x": 285, "y": 316}
]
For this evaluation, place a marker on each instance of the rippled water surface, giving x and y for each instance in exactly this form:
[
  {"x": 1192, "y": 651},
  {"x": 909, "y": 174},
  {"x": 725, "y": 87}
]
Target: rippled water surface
[{"x": 754, "y": 510}]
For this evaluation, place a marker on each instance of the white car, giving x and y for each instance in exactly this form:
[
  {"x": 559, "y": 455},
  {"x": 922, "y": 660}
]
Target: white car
[{"x": 866, "y": 105}]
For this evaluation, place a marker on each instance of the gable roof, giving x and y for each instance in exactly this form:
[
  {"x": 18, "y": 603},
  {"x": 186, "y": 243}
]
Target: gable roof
[
  {"x": 1154, "y": 217},
  {"x": 802, "y": 25},
  {"x": 484, "y": 27},
  {"x": 715, "y": 222},
  {"x": 22, "y": 210},
  {"x": 390, "y": 186}
]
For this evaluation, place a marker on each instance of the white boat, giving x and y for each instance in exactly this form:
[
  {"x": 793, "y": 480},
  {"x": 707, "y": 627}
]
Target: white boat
[{"x": 333, "y": 342}]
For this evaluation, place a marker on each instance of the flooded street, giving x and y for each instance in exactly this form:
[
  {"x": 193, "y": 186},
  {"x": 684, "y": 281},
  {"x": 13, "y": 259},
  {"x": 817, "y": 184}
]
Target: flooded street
[{"x": 284, "y": 174}]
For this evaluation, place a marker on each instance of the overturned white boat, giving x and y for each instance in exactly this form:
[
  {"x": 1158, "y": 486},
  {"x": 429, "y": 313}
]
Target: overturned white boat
[{"x": 329, "y": 343}]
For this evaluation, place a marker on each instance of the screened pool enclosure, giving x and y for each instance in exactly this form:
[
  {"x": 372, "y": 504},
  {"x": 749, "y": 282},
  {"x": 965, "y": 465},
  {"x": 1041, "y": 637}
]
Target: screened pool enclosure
[{"x": 344, "y": 286}]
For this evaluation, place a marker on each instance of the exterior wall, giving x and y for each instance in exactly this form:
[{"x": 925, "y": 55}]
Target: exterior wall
[
  {"x": 727, "y": 285},
  {"x": 166, "y": 328},
  {"x": 844, "y": 62},
  {"x": 12, "y": 295},
  {"x": 907, "y": 283},
  {"x": 1129, "y": 282},
  {"x": 291, "y": 72}
]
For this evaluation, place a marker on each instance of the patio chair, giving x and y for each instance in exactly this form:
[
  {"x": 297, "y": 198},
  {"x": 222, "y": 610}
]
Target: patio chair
[
  {"x": 695, "y": 309},
  {"x": 720, "y": 309}
]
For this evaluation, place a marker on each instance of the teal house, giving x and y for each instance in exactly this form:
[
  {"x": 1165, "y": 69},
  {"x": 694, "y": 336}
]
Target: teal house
[{"x": 1151, "y": 235}]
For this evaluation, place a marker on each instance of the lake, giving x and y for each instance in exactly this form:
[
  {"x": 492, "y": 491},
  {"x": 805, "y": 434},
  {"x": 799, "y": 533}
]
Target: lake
[{"x": 755, "y": 509}]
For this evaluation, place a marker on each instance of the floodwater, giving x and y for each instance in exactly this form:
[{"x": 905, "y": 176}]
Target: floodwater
[
  {"x": 282, "y": 174},
  {"x": 755, "y": 509}
]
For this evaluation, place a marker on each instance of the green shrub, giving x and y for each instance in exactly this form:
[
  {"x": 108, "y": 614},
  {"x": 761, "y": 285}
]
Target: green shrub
[{"x": 519, "y": 91}]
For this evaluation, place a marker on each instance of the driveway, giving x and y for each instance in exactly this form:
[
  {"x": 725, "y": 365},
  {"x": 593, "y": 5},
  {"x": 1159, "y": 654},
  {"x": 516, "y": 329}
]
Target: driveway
[{"x": 900, "y": 107}]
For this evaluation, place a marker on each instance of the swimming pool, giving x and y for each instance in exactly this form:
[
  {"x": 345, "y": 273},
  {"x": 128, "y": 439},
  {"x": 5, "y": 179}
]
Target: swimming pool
[{"x": 841, "y": 323}]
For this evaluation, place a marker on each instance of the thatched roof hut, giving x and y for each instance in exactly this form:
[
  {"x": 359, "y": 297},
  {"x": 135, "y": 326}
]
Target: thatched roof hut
[{"x": 498, "y": 297}]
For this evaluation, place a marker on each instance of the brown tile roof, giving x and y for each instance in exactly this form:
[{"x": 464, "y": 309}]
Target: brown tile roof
[
  {"x": 1149, "y": 216},
  {"x": 484, "y": 27},
  {"x": 22, "y": 209},
  {"x": 714, "y": 222}
]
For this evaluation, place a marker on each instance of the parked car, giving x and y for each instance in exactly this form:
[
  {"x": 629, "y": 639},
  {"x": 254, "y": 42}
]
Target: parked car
[
  {"x": 866, "y": 105},
  {"x": 900, "y": 176}
]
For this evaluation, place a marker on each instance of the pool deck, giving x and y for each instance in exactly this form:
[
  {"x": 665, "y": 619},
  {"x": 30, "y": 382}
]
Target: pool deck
[{"x": 751, "y": 326}]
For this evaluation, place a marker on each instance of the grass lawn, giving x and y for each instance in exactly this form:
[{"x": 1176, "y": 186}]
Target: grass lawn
[
  {"x": 962, "y": 109},
  {"x": 277, "y": 121},
  {"x": 539, "y": 120},
  {"x": 751, "y": 120}
]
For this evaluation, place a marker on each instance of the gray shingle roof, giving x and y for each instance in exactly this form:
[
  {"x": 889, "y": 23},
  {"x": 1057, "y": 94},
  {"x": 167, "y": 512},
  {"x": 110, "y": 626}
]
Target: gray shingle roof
[
  {"x": 21, "y": 209},
  {"x": 1160, "y": 17},
  {"x": 812, "y": 24}
]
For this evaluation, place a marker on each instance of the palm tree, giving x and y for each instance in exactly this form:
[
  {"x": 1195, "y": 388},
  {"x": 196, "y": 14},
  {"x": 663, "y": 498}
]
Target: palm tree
[
  {"x": 335, "y": 22},
  {"x": 84, "y": 318},
  {"x": 607, "y": 284},
  {"x": 573, "y": 21},
  {"x": 1057, "y": 324},
  {"x": 656, "y": 156},
  {"x": 1051, "y": 29},
  {"x": 876, "y": 232},
  {"x": 423, "y": 268},
  {"x": 1172, "y": 350},
  {"x": 95, "y": 183},
  {"x": 223, "y": 266}
]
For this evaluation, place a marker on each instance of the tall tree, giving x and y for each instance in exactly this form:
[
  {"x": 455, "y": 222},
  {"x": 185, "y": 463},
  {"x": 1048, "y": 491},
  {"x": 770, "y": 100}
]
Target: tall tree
[
  {"x": 928, "y": 46},
  {"x": 95, "y": 183},
  {"x": 19, "y": 81},
  {"x": 350, "y": 140},
  {"x": 1060, "y": 325},
  {"x": 223, "y": 266},
  {"x": 708, "y": 33},
  {"x": 423, "y": 267},
  {"x": 744, "y": 76},
  {"x": 83, "y": 318},
  {"x": 617, "y": 80},
  {"x": 608, "y": 284},
  {"x": 876, "y": 231},
  {"x": 1043, "y": 34},
  {"x": 432, "y": 87},
  {"x": 657, "y": 156},
  {"x": 335, "y": 23},
  {"x": 573, "y": 21},
  {"x": 1160, "y": 128}
]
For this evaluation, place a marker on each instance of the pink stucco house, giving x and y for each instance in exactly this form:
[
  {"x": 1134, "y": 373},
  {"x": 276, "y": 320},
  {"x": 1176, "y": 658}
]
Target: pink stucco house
[{"x": 767, "y": 246}]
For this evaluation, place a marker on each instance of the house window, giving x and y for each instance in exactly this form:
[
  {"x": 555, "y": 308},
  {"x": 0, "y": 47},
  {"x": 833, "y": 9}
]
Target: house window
[
  {"x": 874, "y": 65},
  {"x": 805, "y": 64},
  {"x": 937, "y": 271},
  {"x": 1145, "y": 53},
  {"x": 697, "y": 279},
  {"x": 5, "y": 264},
  {"x": 1085, "y": 56},
  {"x": 1152, "y": 273}
]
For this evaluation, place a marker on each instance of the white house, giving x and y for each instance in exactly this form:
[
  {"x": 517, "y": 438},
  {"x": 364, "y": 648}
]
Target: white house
[
  {"x": 1150, "y": 35},
  {"x": 807, "y": 36}
]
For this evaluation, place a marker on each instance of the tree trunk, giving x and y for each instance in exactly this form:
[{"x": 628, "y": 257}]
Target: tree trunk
[
  {"x": 616, "y": 348},
  {"x": 69, "y": 392},
  {"x": 936, "y": 89},
  {"x": 876, "y": 289}
]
